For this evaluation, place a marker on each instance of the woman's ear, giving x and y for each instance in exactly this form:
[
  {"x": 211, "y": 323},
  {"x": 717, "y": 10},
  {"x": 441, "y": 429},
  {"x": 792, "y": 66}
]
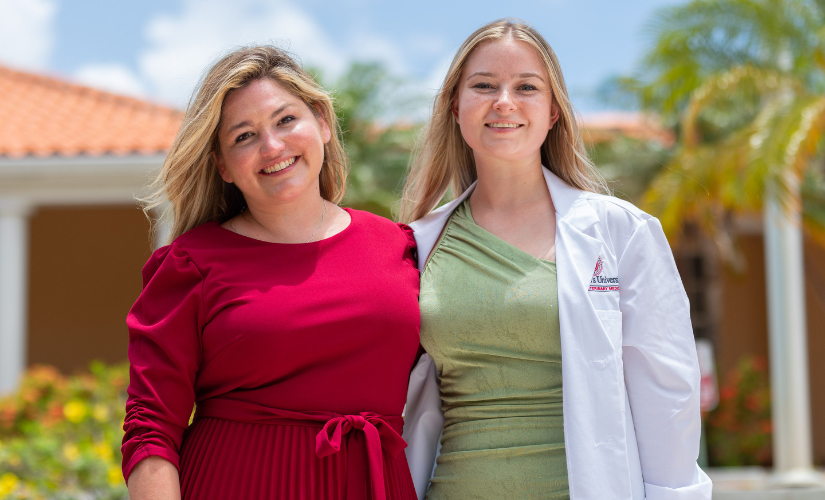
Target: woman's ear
[
  {"x": 554, "y": 113},
  {"x": 454, "y": 108},
  {"x": 221, "y": 167},
  {"x": 326, "y": 133}
]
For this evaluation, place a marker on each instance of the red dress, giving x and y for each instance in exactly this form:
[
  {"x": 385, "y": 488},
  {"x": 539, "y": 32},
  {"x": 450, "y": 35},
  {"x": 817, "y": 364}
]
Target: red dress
[{"x": 298, "y": 357}]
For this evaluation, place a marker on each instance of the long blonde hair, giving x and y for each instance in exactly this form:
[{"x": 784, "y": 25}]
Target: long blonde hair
[
  {"x": 189, "y": 179},
  {"x": 443, "y": 160}
]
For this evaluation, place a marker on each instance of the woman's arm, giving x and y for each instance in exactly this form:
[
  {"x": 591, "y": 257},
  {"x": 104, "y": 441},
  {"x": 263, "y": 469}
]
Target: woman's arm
[
  {"x": 154, "y": 478},
  {"x": 423, "y": 423},
  {"x": 164, "y": 356},
  {"x": 660, "y": 367}
]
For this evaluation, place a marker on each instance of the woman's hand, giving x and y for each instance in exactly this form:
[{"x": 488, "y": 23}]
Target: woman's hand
[{"x": 154, "y": 478}]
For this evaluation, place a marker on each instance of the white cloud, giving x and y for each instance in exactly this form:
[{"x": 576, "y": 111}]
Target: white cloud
[
  {"x": 182, "y": 46},
  {"x": 27, "y": 32},
  {"x": 427, "y": 44},
  {"x": 115, "y": 78}
]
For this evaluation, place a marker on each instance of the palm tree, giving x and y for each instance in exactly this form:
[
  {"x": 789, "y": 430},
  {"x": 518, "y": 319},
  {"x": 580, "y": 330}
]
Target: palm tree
[{"x": 744, "y": 82}]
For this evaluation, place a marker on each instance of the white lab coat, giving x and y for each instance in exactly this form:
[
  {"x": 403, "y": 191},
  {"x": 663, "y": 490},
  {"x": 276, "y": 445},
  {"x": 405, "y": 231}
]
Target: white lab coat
[{"x": 629, "y": 369}]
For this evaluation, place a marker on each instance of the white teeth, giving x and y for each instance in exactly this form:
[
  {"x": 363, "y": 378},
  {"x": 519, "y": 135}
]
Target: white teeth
[
  {"x": 280, "y": 166},
  {"x": 503, "y": 125}
]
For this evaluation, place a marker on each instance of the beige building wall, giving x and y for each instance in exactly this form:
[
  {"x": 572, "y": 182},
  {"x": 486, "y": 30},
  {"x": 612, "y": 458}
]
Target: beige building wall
[
  {"x": 85, "y": 273},
  {"x": 743, "y": 325}
]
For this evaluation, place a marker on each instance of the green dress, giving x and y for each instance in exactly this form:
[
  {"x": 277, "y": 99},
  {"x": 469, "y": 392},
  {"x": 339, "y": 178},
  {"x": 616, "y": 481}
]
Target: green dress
[{"x": 490, "y": 321}]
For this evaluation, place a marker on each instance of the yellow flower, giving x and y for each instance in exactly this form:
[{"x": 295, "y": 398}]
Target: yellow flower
[
  {"x": 115, "y": 476},
  {"x": 103, "y": 450},
  {"x": 75, "y": 411},
  {"x": 8, "y": 482},
  {"x": 71, "y": 452},
  {"x": 101, "y": 413}
]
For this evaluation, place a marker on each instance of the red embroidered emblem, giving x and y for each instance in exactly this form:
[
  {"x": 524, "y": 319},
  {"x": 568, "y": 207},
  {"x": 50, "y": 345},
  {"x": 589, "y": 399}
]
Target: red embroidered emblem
[{"x": 601, "y": 283}]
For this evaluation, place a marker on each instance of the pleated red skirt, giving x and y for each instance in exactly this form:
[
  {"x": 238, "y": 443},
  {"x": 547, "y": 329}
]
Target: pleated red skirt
[{"x": 228, "y": 459}]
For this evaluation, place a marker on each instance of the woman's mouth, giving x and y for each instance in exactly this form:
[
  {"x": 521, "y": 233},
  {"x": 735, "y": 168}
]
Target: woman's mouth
[
  {"x": 279, "y": 166},
  {"x": 503, "y": 125}
]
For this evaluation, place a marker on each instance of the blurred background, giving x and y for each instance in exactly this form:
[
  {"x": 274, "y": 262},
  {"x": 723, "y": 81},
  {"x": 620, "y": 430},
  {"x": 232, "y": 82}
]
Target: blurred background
[{"x": 709, "y": 115}]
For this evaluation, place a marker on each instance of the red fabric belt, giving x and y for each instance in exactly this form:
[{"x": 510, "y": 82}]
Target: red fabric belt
[{"x": 364, "y": 448}]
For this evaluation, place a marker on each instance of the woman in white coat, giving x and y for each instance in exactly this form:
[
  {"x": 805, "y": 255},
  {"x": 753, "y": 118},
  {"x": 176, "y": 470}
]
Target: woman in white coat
[{"x": 560, "y": 356}]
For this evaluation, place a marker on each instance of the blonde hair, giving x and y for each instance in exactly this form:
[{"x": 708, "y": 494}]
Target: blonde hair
[
  {"x": 189, "y": 179},
  {"x": 443, "y": 160}
]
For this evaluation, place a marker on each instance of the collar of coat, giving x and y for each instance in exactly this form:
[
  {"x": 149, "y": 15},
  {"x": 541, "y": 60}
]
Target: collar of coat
[{"x": 570, "y": 204}]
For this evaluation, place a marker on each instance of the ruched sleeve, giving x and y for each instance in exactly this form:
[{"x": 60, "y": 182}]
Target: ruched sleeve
[{"x": 165, "y": 327}]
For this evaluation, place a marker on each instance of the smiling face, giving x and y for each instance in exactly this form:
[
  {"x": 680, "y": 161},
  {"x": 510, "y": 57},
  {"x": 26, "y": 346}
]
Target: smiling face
[
  {"x": 271, "y": 144},
  {"x": 504, "y": 105}
]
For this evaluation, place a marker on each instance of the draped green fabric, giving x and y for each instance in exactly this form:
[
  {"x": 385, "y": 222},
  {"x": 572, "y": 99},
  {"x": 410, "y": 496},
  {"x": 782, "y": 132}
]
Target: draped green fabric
[{"x": 490, "y": 321}]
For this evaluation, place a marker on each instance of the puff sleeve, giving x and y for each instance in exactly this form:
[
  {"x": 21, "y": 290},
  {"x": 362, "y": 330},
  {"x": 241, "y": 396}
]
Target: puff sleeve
[
  {"x": 165, "y": 327},
  {"x": 411, "y": 251}
]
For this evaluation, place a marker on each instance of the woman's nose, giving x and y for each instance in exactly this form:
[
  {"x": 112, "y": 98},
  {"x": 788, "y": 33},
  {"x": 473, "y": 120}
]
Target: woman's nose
[
  {"x": 272, "y": 144},
  {"x": 504, "y": 102}
]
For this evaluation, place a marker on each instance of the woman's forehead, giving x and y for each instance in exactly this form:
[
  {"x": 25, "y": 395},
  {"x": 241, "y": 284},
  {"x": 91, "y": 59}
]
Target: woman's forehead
[{"x": 505, "y": 57}]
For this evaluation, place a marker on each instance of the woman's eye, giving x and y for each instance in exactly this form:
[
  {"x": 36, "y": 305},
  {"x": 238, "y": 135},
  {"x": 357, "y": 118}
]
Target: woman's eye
[
  {"x": 482, "y": 85},
  {"x": 527, "y": 86},
  {"x": 286, "y": 120},
  {"x": 244, "y": 136}
]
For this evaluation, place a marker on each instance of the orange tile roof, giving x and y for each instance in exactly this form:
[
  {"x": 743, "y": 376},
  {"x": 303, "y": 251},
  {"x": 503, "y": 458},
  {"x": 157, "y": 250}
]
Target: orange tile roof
[
  {"x": 43, "y": 116},
  {"x": 608, "y": 125}
]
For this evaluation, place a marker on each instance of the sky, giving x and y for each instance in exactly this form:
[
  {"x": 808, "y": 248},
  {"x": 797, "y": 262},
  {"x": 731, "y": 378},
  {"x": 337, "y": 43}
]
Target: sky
[{"x": 157, "y": 50}]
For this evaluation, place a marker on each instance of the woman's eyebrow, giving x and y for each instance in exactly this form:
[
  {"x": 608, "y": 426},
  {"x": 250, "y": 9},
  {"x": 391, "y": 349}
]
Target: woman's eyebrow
[
  {"x": 530, "y": 75},
  {"x": 482, "y": 73},
  {"x": 493, "y": 75},
  {"x": 247, "y": 122}
]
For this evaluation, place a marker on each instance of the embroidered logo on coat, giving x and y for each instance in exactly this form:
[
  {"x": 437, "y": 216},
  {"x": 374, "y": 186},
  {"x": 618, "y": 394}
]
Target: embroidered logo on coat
[{"x": 601, "y": 283}]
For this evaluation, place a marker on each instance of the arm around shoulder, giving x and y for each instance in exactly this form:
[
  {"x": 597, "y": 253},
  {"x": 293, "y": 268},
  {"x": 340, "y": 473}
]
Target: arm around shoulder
[
  {"x": 661, "y": 370},
  {"x": 423, "y": 422}
]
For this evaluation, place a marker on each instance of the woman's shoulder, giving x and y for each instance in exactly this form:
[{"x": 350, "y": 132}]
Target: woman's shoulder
[
  {"x": 377, "y": 223},
  {"x": 618, "y": 213},
  {"x": 384, "y": 229},
  {"x": 177, "y": 256}
]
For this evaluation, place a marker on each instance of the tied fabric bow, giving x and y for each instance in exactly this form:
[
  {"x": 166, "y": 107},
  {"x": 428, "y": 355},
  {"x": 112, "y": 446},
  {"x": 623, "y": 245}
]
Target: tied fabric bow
[{"x": 376, "y": 433}]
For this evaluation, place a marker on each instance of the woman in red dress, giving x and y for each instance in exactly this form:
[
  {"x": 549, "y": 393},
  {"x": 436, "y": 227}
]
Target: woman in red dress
[{"x": 290, "y": 322}]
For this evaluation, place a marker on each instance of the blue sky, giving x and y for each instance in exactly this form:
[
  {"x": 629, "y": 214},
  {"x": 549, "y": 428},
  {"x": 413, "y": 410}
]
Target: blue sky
[{"x": 157, "y": 49}]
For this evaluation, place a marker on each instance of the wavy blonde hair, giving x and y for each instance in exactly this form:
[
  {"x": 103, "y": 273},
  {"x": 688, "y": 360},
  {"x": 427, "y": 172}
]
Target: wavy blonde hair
[
  {"x": 189, "y": 179},
  {"x": 443, "y": 160}
]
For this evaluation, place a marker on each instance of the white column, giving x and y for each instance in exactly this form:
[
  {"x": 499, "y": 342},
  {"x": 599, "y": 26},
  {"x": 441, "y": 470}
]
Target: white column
[
  {"x": 14, "y": 249},
  {"x": 790, "y": 397}
]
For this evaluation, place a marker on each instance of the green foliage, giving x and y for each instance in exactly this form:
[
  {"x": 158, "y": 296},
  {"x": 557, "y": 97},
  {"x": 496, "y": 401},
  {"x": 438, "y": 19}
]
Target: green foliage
[
  {"x": 365, "y": 98},
  {"x": 739, "y": 429},
  {"x": 702, "y": 38},
  {"x": 60, "y": 436},
  {"x": 629, "y": 165}
]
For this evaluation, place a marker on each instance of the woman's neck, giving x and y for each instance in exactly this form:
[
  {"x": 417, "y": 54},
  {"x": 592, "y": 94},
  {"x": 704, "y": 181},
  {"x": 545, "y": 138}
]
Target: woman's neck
[
  {"x": 294, "y": 222},
  {"x": 509, "y": 186}
]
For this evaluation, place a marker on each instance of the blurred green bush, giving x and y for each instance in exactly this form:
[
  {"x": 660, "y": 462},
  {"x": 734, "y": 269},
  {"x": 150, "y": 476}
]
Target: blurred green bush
[{"x": 60, "y": 436}]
